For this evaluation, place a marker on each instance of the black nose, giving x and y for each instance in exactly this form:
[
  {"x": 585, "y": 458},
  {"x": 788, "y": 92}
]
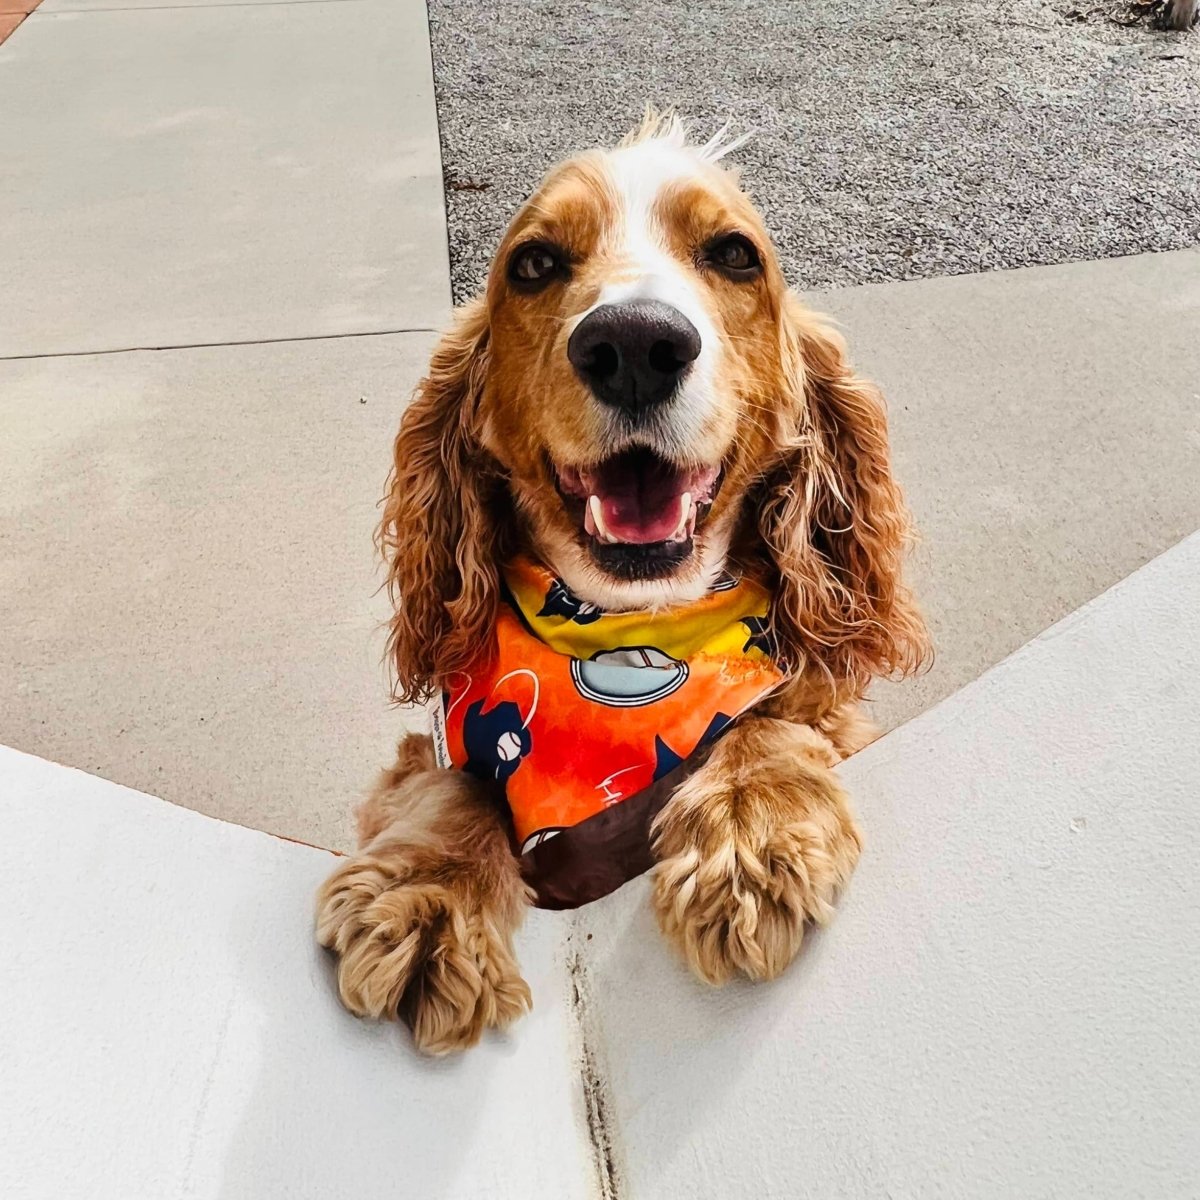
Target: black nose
[{"x": 633, "y": 355}]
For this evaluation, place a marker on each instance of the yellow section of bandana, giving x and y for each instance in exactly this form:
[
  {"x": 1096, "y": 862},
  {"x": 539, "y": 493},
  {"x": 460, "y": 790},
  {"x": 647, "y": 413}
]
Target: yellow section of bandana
[{"x": 714, "y": 625}]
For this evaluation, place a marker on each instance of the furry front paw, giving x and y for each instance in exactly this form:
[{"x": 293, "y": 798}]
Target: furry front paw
[
  {"x": 419, "y": 950},
  {"x": 748, "y": 855}
]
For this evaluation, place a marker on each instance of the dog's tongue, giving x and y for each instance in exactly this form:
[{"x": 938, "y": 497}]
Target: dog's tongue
[{"x": 640, "y": 498}]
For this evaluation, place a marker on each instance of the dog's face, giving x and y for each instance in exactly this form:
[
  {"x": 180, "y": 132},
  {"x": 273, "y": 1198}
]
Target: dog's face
[
  {"x": 636, "y": 400},
  {"x": 636, "y": 368}
]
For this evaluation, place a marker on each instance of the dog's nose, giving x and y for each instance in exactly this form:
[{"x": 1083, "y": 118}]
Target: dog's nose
[{"x": 633, "y": 355}]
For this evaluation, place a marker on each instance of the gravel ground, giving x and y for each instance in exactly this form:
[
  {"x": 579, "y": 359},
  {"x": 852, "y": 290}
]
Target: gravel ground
[{"x": 895, "y": 139}]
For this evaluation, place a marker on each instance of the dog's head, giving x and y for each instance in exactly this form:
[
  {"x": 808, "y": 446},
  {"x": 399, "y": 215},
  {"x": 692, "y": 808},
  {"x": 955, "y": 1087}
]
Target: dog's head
[{"x": 639, "y": 400}]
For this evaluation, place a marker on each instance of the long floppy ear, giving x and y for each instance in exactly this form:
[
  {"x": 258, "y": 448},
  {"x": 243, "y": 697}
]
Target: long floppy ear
[
  {"x": 834, "y": 520},
  {"x": 440, "y": 532}
]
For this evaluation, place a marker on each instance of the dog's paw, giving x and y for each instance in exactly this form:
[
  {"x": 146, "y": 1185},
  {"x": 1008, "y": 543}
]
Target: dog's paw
[
  {"x": 419, "y": 950},
  {"x": 1180, "y": 14},
  {"x": 744, "y": 865}
]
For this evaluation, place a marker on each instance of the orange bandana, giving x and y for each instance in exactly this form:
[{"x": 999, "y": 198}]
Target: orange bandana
[{"x": 581, "y": 710}]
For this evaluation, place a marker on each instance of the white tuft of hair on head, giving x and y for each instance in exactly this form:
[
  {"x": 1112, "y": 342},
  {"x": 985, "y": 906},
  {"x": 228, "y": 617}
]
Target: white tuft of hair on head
[
  {"x": 658, "y": 125},
  {"x": 667, "y": 127},
  {"x": 721, "y": 144}
]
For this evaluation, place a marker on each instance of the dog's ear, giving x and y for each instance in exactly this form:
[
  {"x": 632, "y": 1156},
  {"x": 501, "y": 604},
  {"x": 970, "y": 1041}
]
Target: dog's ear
[
  {"x": 440, "y": 532},
  {"x": 834, "y": 520}
]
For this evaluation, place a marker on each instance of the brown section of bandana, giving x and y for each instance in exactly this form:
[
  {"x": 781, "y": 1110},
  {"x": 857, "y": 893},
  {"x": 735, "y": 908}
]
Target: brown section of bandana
[{"x": 599, "y": 855}]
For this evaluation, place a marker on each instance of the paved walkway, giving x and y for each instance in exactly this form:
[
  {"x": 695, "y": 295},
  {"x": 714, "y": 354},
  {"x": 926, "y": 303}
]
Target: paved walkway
[{"x": 186, "y": 532}]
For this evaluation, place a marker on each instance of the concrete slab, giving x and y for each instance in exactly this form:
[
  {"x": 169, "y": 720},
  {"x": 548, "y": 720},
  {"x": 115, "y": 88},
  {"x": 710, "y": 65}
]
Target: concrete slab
[
  {"x": 171, "y": 1029},
  {"x": 221, "y": 173},
  {"x": 1005, "y": 1005},
  {"x": 1046, "y": 425},
  {"x": 189, "y": 576}
]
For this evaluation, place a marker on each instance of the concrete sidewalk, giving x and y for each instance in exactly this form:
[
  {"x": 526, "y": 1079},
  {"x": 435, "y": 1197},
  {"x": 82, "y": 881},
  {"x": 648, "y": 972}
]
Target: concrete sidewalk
[
  {"x": 185, "y": 535},
  {"x": 1046, "y": 425},
  {"x": 216, "y": 173}
]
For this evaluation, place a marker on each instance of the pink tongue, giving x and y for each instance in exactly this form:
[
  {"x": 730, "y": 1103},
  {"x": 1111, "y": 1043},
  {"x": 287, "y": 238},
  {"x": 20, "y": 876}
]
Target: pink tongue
[
  {"x": 639, "y": 500},
  {"x": 629, "y": 519}
]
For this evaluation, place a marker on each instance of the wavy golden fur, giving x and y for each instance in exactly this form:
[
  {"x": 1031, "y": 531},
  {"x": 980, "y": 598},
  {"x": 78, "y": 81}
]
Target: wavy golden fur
[
  {"x": 758, "y": 841},
  {"x": 442, "y": 534},
  {"x": 835, "y": 523}
]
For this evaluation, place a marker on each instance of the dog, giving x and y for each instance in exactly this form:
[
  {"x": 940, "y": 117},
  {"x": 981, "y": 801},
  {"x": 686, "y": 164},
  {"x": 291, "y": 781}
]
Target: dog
[{"x": 635, "y": 333}]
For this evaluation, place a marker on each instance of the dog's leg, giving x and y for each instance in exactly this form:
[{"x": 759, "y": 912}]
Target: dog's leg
[
  {"x": 1180, "y": 14},
  {"x": 754, "y": 845},
  {"x": 422, "y": 918}
]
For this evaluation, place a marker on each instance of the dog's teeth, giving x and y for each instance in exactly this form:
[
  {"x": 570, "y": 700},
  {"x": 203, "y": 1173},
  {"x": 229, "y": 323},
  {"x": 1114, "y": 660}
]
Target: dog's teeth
[
  {"x": 597, "y": 511},
  {"x": 685, "y": 512},
  {"x": 597, "y": 515}
]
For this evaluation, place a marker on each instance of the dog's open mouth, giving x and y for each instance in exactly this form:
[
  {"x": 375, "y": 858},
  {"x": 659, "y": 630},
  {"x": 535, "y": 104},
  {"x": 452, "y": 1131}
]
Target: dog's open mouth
[{"x": 638, "y": 510}]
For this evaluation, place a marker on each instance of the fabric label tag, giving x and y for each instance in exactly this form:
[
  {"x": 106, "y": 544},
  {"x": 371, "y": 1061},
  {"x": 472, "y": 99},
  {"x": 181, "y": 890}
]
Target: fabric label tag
[{"x": 441, "y": 748}]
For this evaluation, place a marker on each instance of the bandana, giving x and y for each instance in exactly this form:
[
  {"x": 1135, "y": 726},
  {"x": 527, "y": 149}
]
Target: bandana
[{"x": 588, "y": 720}]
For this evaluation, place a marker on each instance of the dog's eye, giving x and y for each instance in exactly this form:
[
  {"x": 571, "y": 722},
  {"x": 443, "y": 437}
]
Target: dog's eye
[
  {"x": 534, "y": 265},
  {"x": 735, "y": 256}
]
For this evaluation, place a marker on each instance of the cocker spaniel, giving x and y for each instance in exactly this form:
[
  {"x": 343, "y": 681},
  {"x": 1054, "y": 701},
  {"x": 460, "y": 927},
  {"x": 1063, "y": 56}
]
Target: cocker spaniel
[{"x": 639, "y": 403}]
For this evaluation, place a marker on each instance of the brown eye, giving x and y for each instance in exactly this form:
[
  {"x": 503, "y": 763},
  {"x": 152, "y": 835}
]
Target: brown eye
[
  {"x": 734, "y": 256},
  {"x": 535, "y": 265}
]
